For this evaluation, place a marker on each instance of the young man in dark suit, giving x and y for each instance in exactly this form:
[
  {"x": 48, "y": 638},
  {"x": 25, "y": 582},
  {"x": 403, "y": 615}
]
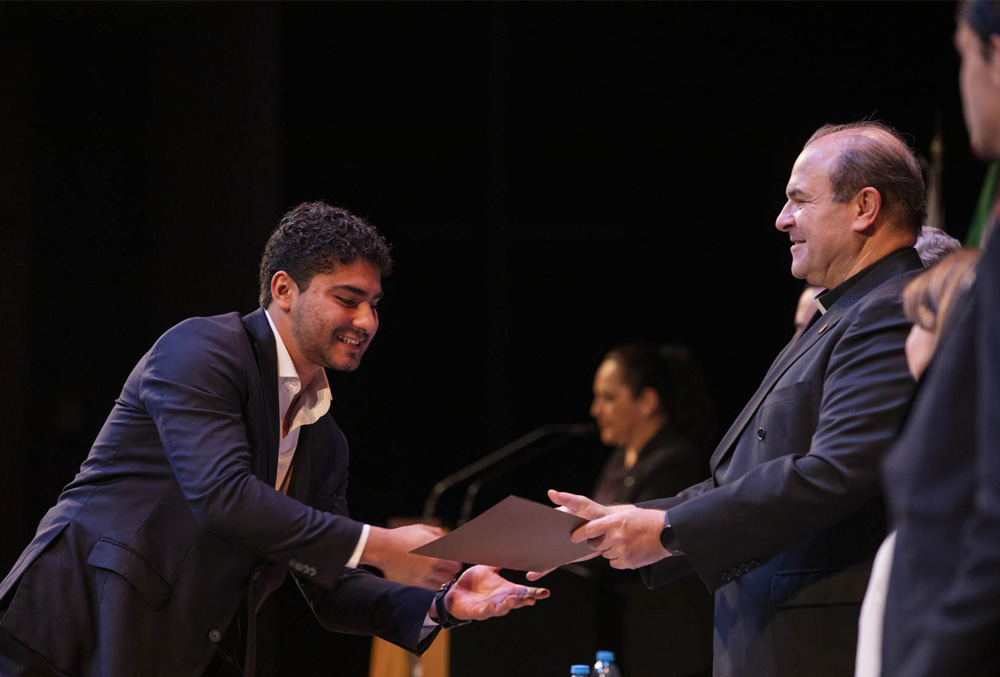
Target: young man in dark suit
[
  {"x": 219, "y": 472},
  {"x": 785, "y": 529}
]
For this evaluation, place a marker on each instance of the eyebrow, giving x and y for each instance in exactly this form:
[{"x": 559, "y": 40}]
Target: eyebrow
[
  {"x": 356, "y": 290},
  {"x": 794, "y": 192}
]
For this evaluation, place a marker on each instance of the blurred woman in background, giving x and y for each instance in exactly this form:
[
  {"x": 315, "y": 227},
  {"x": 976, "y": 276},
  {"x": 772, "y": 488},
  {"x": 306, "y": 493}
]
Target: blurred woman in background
[{"x": 651, "y": 403}]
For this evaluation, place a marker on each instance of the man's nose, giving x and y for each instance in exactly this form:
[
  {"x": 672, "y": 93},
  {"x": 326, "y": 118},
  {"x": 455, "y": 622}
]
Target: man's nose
[
  {"x": 785, "y": 219},
  {"x": 366, "y": 318}
]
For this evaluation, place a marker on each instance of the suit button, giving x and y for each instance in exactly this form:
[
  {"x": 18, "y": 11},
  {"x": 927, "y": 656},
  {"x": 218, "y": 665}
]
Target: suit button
[
  {"x": 736, "y": 572},
  {"x": 726, "y": 577},
  {"x": 214, "y": 636},
  {"x": 746, "y": 567},
  {"x": 761, "y": 433}
]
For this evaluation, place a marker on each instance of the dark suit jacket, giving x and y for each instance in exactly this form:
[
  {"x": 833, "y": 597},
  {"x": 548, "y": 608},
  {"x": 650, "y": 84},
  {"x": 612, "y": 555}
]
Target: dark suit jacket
[
  {"x": 145, "y": 559},
  {"x": 942, "y": 477},
  {"x": 786, "y": 528}
]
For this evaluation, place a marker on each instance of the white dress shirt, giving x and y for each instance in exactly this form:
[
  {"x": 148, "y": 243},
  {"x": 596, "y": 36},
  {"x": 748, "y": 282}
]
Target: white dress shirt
[{"x": 310, "y": 404}]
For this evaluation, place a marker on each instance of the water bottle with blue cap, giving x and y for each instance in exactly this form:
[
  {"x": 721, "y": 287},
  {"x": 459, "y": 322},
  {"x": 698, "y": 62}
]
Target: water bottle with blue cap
[{"x": 605, "y": 666}]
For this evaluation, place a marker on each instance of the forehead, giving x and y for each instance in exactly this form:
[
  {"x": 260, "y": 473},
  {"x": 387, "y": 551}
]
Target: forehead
[
  {"x": 608, "y": 375},
  {"x": 811, "y": 168},
  {"x": 966, "y": 40},
  {"x": 361, "y": 275}
]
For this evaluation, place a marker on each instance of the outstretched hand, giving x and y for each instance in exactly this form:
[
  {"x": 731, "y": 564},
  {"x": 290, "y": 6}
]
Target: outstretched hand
[
  {"x": 482, "y": 593},
  {"x": 389, "y": 550}
]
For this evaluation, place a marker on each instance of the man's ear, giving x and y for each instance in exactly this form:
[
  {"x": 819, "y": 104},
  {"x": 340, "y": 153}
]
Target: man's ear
[
  {"x": 865, "y": 208},
  {"x": 283, "y": 290}
]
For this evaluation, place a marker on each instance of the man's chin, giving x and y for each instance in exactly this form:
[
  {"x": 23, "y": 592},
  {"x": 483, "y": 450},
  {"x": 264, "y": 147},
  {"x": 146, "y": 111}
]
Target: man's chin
[
  {"x": 343, "y": 363},
  {"x": 798, "y": 272}
]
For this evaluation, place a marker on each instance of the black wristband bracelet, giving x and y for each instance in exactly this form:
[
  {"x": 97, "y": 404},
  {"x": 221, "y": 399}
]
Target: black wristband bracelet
[{"x": 445, "y": 619}]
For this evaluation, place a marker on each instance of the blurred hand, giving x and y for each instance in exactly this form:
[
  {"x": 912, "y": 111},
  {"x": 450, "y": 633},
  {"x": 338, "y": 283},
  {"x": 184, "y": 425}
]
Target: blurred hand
[
  {"x": 389, "y": 550},
  {"x": 482, "y": 593}
]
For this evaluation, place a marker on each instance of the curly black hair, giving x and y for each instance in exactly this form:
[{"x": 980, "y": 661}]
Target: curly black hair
[{"x": 312, "y": 239}]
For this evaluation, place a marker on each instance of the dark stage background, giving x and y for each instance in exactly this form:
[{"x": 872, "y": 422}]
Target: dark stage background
[{"x": 554, "y": 178}]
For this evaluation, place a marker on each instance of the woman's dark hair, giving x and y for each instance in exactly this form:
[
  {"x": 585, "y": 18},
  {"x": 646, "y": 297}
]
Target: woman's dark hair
[{"x": 678, "y": 381}]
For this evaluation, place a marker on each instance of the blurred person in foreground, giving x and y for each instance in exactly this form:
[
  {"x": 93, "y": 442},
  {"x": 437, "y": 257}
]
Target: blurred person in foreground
[
  {"x": 942, "y": 477},
  {"x": 652, "y": 404},
  {"x": 220, "y": 472},
  {"x": 927, "y": 302},
  {"x": 785, "y": 529}
]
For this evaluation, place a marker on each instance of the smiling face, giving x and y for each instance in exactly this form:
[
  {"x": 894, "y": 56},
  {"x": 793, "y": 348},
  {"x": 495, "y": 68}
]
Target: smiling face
[
  {"x": 333, "y": 321},
  {"x": 823, "y": 248}
]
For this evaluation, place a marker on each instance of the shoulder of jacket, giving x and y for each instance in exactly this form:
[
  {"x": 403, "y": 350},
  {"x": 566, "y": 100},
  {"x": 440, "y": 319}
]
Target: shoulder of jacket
[{"x": 215, "y": 339}]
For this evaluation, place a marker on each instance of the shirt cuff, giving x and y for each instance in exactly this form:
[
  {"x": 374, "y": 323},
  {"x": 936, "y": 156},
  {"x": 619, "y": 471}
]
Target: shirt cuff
[
  {"x": 359, "y": 548},
  {"x": 429, "y": 625}
]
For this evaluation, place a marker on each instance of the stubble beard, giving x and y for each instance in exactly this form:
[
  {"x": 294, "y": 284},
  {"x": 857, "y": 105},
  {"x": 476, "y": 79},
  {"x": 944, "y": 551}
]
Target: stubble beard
[{"x": 319, "y": 346}]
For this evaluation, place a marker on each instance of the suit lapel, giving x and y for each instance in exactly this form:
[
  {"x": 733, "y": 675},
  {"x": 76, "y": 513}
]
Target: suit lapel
[
  {"x": 897, "y": 263},
  {"x": 265, "y": 466},
  {"x": 795, "y": 349}
]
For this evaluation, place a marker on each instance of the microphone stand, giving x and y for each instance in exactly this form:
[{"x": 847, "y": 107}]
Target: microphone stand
[{"x": 493, "y": 460}]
